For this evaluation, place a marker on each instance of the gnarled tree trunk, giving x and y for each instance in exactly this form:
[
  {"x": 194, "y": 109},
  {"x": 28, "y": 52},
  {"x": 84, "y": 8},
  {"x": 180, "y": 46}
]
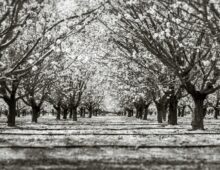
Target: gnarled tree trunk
[
  {"x": 130, "y": 112},
  {"x": 82, "y": 112},
  {"x": 70, "y": 113},
  {"x": 95, "y": 113},
  {"x": 198, "y": 114},
  {"x": 216, "y": 113},
  {"x": 74, "y": 113},
  {"x": 35, "y": 113},
  {"x": 146, "y": 111},
  {"x": 65, "y": 113},
  {"x": 12, "y": 111},
  {"x": 161, "y": 111},
  {"x": 172, "y": 116},
  {"x": 58, "y": 110},
  {"x": 90, "y": 111},
  {"x": 181, "y": 111}
]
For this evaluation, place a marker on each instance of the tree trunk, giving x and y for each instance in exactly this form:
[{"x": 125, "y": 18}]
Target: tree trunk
[
  {"x": 172, "y": 117},
  {"x": 159, "y": 115},
  {"x": 216, "y": 114},
  {"x": 161, "y": 109},
  {"x": 58, "y": 113},
  {"x": 181, "y": 111},
  {"x": 139, "y": 112},
  {"x": 35, "y": 113},
  {"x": 198, "y": 114},
  {"x": 130, "y": 113},
  {"x": 65, "y": 112},
  {"x": 18, "y": 113},
  {"x": 95, "y": 113},
  {"x": 82, "y": 112},
  {"x": 90, "y": 112},
  {"x": 74, "y": 113},
  {"x": 146, "y": 111},
  {"x": 145, "y": 114},
  {"x": 12, "y": 112},
  {"x": 58, "y": 110},
  {"x": 164, "y": 114},
  {"x": 71, "y": 113}
]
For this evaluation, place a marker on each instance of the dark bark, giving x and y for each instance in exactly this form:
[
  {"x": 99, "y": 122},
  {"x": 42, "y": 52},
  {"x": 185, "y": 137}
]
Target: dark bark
[
  {"x": 71, "y": 113},
  {"x": 181, "y": 111},
  {"x": 58, "y": 110},
  {"x": 130, "y": 112},
  {"x": 65, "y": 113},
  {"x": 90, "y": 112},
  {"x": 217, "y": 106},
  {"x": 198, "y": 114},
  {"x": 139, "y": 108},
  {"x": 139, "y": 112},
  {"x": 198, "y": 98},
  {"x": 95, "y": 113},
  {"x": 172, "y": 116},
  {"x": 146, "y": 111},
  {"x": 74, "y": 113},
  {"x": 35, "y": 113},
  {"x": 161, "y": 106},
  {"x": 18, "y": 113},
  {"x": 204, "y": 111},
  {"x": 12, "y": 111},
  {"x": 82, "y": 112},
  {"x": 216, "y": 113},
  {"x": 145, "y": 115},
  {"x": 161, "y": 110}
]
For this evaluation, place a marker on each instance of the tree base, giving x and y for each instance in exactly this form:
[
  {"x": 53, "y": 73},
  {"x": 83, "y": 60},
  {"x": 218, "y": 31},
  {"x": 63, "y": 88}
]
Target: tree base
[
  {"x": 11, "y": 124},
  {"x": 173, "y": 124},
  {"x": 195, "y": 129},
  {"x": 197, "y": 126}
]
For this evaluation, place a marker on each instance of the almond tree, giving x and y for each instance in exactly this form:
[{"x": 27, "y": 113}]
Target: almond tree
[
  {"x": 15, "y": 57},
  {"x": 33, "y": 29},
  {"x": 36, "y": 87},
  {"x": 147, "y": 71},
  {"x": 130, "y": 85},
  {"x": 55, "y": 98},
  {"x": 94, "y": 95},
  {"x": 178, "y": 40}
]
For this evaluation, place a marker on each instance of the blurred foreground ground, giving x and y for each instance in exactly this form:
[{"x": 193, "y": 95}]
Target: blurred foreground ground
[{"x": 108, "y": 142}]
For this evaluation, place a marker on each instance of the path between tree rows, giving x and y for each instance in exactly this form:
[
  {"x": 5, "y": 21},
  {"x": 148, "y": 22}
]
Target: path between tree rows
[{"x": 108, "y": 142}]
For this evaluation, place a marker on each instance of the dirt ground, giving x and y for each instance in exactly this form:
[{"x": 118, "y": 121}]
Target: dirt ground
[{"x": 108, "y": 142}]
